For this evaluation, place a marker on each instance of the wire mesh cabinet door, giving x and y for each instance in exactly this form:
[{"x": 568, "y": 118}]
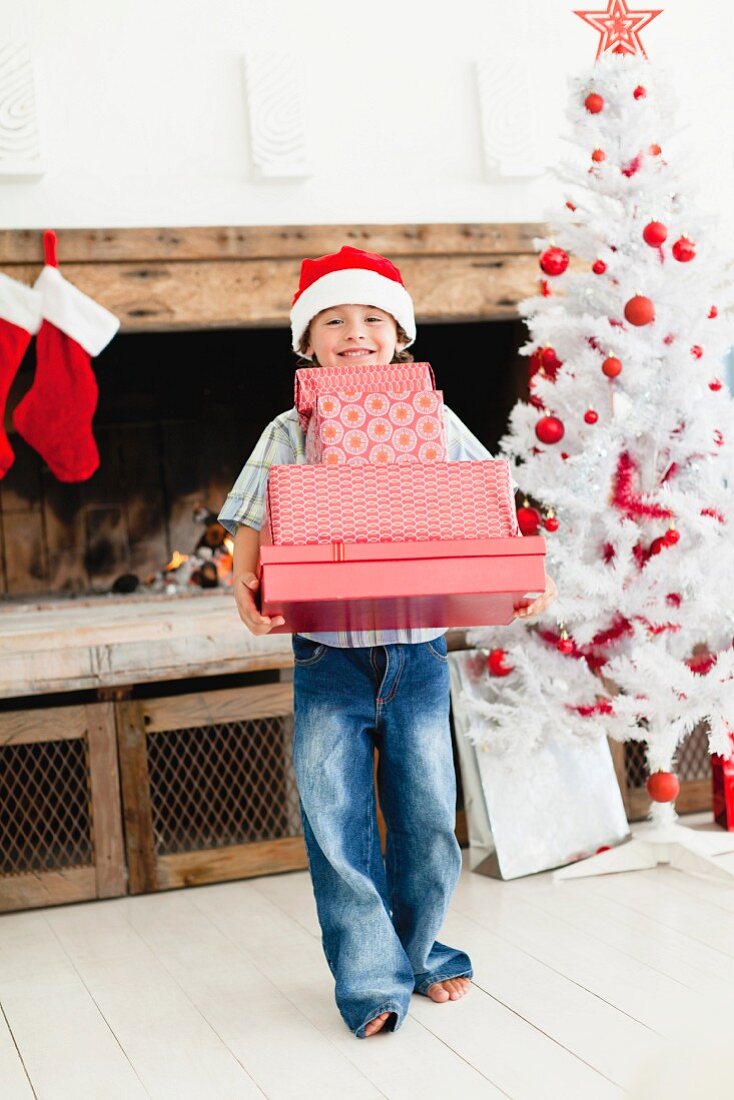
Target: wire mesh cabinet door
[
  {"x": 60, "y": 813},
  {"x": 208, "y": 786}
]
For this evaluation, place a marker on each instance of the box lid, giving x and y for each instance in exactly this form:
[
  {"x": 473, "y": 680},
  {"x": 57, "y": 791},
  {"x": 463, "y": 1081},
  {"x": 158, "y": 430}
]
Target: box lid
[
  {"x": 391, "y": 551},
  {"x": 399, "y": 377}
]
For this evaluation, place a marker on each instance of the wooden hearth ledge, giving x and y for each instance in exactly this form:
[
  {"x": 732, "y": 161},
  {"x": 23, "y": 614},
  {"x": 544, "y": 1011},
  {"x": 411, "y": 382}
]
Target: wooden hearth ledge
[{"x": 103, "y": 642}]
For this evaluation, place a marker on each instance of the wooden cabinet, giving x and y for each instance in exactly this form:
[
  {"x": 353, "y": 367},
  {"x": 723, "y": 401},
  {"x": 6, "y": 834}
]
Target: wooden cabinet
[
  {"x": 60, "y": 812},
  {"x": 209, "y": 792}
]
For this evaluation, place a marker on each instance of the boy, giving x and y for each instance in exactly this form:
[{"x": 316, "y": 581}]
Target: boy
[{"x": 360, "y": 690}]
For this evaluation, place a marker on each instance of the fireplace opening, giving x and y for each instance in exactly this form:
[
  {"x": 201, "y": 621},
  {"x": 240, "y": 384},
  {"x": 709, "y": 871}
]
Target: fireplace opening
[{"x": 178, "y": 414}]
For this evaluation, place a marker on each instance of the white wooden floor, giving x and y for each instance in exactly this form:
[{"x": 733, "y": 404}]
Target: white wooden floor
[{"x": 590, "y": 989}]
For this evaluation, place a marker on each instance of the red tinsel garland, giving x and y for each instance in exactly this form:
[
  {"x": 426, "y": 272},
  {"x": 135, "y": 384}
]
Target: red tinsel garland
[
  {"x": 588, "y": 710},
  {"x": 658, "y": 628},
  {"x": 627, "y": 499},
  {"x": 619, "y": 627}
]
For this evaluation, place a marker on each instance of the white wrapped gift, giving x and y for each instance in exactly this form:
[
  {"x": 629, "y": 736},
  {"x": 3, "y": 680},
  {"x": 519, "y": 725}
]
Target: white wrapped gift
[{"x": 561, "y": 805}]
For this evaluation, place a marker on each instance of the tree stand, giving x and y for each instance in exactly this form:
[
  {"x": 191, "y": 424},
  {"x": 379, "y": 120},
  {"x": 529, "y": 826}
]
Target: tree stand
[{"x": 659, "y": 840}]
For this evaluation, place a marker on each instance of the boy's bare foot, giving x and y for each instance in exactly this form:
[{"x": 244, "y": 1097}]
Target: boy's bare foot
[
  {"x": 377, "y": 1024},
  {"x": 449, "y": 990}
]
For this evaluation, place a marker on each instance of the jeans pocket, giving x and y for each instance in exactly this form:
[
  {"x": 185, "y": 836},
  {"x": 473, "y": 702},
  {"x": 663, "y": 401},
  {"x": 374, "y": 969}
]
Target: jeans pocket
[
  {"x": 306, "y": 652},
  {"x": 439, "y": 648}
]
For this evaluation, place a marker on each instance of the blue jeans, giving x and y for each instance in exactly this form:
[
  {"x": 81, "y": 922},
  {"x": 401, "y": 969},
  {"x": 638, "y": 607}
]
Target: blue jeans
[{"x": 378, "y": 918}]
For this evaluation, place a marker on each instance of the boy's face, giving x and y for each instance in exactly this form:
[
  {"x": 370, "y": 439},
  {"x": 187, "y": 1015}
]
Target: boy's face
[{"x": 353, "y": 334}]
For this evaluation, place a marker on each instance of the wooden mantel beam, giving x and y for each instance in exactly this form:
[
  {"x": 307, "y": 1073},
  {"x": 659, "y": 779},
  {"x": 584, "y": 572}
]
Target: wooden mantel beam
[{"x": 231, "y": 277}]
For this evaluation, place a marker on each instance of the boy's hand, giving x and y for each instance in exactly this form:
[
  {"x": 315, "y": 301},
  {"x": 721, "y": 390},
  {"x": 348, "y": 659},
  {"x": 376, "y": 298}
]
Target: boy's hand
[
  {"x": 526, "y": 610},
  {"x": 245, "y": 588}
]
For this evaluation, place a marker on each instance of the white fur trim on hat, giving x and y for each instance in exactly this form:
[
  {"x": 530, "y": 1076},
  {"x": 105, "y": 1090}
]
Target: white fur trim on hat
[
  {"x": 20, "y": 304},
  {"x": 74, "y": 312},
  {"x": 354, "y": 286}
]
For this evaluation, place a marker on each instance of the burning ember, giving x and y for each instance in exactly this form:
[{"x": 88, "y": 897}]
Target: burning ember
[
  {"x": 209, "y": 565},
  {"x": 176, "y": 561}
]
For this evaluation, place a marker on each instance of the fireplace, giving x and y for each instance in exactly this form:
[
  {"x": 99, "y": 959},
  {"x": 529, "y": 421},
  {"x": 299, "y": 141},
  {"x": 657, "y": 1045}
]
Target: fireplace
[{"x": 178, "y": 414}]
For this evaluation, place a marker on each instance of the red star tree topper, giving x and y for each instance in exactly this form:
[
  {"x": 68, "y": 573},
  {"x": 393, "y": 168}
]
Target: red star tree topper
[{"x": 619, "y": 27}]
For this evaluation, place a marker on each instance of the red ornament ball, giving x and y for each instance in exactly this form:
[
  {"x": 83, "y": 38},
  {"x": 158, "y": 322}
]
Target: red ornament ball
[
  {"x": 640, "y": 92},
  {"x": 655, "y": 150},
  {"x": 554, "y": 260},
  {"x": 663, "y": 787},
  {"x": 671, "y": 536},
  {"x": 684, "y": 250},
  {"x": 715, "y": 384},
  {"x": 594, "y": 103},
  {"x": 696, "y": 351},
  {"x": 551, "y": 523},
  {"x": 713, "y": 312},
  {"x": 591, "y": 416},
  {"x": 639, "y": 310},
  {"x": 496, "y": 663},
  {"x": 549, "y": 359},
  {"x": 599, "y": 267},
  {"x": 611, "y": 366},
  {"x": 598, "y": 156},
  {"x": 655, "y": 234},
  {"x": 565, "y": 646},
  {"x": 528, "y": 520},
  {"x": 549, "y": 429}
]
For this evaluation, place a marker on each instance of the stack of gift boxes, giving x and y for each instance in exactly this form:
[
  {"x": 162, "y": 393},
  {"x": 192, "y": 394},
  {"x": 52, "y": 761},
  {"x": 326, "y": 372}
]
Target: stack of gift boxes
[{"x": 379, "y": 530}]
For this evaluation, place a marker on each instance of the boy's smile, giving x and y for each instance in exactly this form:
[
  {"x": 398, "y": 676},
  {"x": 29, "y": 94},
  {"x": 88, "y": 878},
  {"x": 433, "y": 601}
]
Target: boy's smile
[{"x": 352, "y": 334}]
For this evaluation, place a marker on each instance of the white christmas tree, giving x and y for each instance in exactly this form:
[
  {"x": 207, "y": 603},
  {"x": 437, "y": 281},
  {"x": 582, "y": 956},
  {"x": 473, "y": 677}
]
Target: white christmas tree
[{"x": 624, "y": 452}]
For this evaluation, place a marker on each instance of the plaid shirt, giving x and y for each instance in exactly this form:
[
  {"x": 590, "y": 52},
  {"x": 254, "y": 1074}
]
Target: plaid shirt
[{"x": 282, "y": 444}]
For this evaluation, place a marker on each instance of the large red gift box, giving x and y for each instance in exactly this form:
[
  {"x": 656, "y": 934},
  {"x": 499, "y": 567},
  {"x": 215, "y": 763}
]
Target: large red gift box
[
  {"x": 722, "y": 781},
  {"x": 385, "y": 547},
  {"x": 398, "y": 379},
  {"x": 356, "y": 426},
  {"x": 391, "y": 503}
]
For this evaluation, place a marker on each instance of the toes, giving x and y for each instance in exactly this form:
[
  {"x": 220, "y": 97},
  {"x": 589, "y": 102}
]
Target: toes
[
  {"x": 377, "y": 1024},
  {"x": 451, "y": 989},
  {"x": 438, "y": 992}
]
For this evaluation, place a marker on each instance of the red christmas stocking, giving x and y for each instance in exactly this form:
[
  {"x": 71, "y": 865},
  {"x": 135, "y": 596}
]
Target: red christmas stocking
[
  {"x": 20, "y": 316},
  {"x": 55, "y": 416}
]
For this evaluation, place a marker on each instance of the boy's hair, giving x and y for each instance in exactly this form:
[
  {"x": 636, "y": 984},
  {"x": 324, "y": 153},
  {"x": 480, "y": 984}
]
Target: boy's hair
[{"x": 403, "y": 356}]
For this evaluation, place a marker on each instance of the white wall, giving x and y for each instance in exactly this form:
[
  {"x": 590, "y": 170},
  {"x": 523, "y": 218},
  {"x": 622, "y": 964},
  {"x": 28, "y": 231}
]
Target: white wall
[{"x": 145, "y": 122}]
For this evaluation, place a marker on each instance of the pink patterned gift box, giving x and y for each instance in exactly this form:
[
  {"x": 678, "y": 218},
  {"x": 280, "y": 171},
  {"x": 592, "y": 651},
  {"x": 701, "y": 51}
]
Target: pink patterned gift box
[
  {"x": 395, "y": 379},
  {"x": 351, "y": 427},
  {"x": 407, "y": 502}
]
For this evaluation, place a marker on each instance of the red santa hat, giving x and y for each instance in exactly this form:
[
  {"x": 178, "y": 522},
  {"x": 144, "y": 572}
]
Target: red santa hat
[{"x": 350, "y": 277}]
